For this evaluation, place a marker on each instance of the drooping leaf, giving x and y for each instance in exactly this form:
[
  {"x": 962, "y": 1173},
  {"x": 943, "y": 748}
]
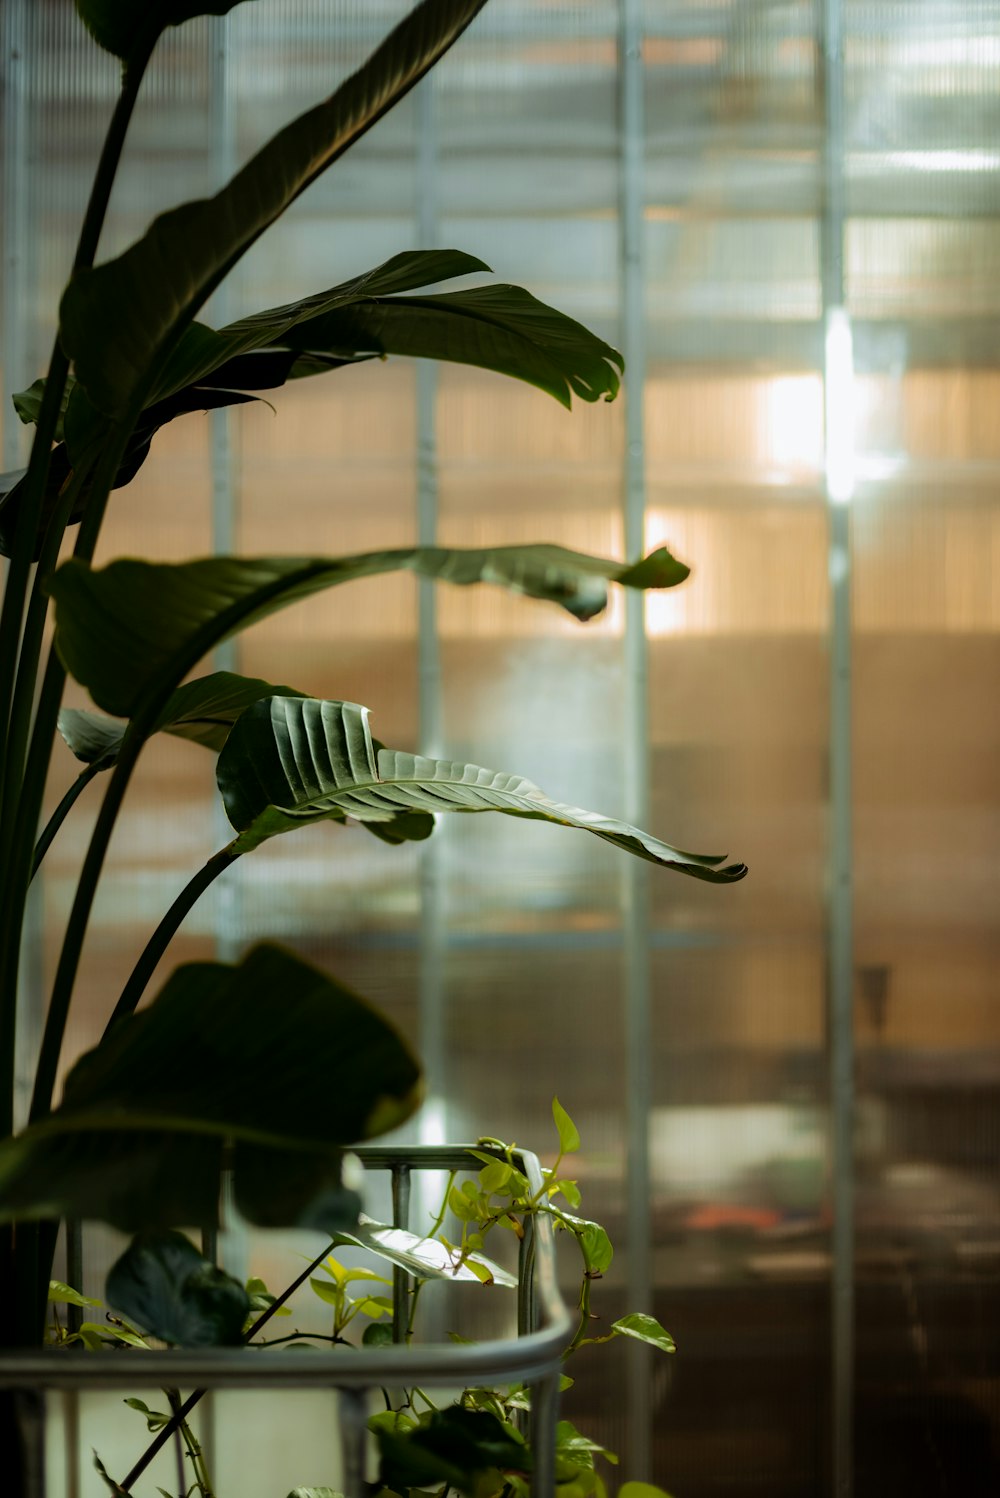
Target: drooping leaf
[
  {"x": 290, "y": 760},
  {"x": 28, "y": 403},
  {"x": 163, "y": 1284},
  {"x": 92, "y": 737},
  {"x": 645, "y": 1328},
  {"x": 118, "y": 319},
  {"x": 270, "y": 1060},
  {"x": 117, "y": 25},
  {"x": 135, "y": 627},
  {"x": 569, "y": 1134},
  {"x": 225, "y": 356},
  {"x": 501, "y": 328},
  {"x": 426, "y": 1258}
]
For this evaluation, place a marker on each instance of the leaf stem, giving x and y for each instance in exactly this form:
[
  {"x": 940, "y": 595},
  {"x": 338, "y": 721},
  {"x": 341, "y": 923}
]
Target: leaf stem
[
  {"x": 14, "y": 809},
  {"x": 161, "y": 937},
  {"x": 202, "y": 1480},
  {"x": 76, "y": 925},
  {"x": 58, "y": 817},
  {"x": 55, "y": 385}
]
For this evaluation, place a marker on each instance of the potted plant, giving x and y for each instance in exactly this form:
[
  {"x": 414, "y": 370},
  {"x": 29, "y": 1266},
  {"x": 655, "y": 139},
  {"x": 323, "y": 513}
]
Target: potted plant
[{"x": 200, "y": 1080}]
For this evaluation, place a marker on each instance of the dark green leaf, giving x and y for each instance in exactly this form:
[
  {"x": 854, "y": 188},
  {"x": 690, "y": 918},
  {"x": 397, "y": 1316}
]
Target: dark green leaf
[
  {"x": 227, "y": 357},
  {"x": 500, "y": 328},
  {"x": 455, "y": 1446},
  {"x": 292, "y": 760},
  {"x": 118, "y": 25},
  {"x": 118, "y": 319},
  {"x": 135, "y": 627},
  {"x": 271, "y": 1054},
  {"x": 645, "y": 1329},
  {"x": 377, "y": 1334},
  {"x": 28, "y": 403},
  {"x": 171, "y": 1290}
]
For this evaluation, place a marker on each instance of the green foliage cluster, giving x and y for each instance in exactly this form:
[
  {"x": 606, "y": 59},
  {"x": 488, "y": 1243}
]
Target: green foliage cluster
[
  {"x": 475, "y": 1445},
  {"x": 200, "y": 1080}
]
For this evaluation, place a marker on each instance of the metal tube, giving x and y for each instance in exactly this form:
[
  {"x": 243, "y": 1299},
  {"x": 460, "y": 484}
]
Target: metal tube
[
  {"x": 432, "y": 1040},
  {"x": 636, "y": 769},
  {"x": 353, "y": 1431},
  {"x": 839, "y": 889}
]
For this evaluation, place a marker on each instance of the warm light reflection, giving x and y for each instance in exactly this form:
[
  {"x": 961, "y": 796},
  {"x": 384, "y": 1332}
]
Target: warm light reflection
[{"x": 793, "y": 421}]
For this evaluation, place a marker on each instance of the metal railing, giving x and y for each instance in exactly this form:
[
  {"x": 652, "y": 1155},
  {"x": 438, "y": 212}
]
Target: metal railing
[{"x": 533, "y": 1357}]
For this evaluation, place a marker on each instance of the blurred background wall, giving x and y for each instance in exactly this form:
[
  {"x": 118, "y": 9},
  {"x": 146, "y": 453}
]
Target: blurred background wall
[{"x": 786, "y": 213}]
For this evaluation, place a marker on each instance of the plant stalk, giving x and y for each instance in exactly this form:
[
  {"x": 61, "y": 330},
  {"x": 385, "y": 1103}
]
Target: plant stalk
[
  {"x": 76, "y": 926},
  {"x": 161, "y": 937},
  {"x": 55, "y": 385},
  {"x": 15, "y": 660},
  {"x": 58, "y": 817}
]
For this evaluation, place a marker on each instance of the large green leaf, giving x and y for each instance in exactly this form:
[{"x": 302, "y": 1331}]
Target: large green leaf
[
  {"x": 501, "y": 328},
  {"x": 165, "y": 1286},
  {"x": 270, "y": 1064},
  {"x": 119, "y": 319},
  {"x": 118, "y": 24},
  {"x": 223, "y": 357},
  {"x": 290, "y": 760},
  {"x": 136, "y": 627}
]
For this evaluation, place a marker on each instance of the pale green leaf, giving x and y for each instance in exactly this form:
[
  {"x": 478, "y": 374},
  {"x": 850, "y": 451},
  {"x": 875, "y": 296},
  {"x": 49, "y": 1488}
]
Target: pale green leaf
[
  {"x": 569, "y": 1136},
  {"x": 644, "y": 1328}
]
